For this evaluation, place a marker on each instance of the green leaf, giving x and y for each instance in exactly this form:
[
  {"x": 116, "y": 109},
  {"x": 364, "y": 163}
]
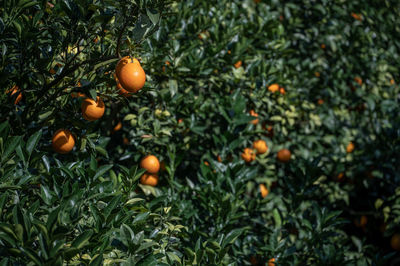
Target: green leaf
[
  {"x": 46, "y": 194},
  {"x": 32, "y": 142},
  {"x": 96, "y": 260},
  {"x": 10, "y": 147},
  {"x": 102, "y": 170},
  {"x": 32, "y": 255},
  {"x": 111, "y": 206},
  {"x": 82, "y": 239},
  {"x": 141, "y": 217},
  {"x": 154, "y": 17},
  {"x": 231, "y": 237}
]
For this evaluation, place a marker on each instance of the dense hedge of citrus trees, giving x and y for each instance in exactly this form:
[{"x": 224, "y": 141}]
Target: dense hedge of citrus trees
[{"x": 199, "y": 132}]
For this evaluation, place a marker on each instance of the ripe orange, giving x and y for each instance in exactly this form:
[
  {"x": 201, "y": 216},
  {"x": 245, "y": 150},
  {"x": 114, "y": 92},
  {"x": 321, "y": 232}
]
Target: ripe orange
[
  {"x": 117, "y": 127},
  {"x": 238, "y": 64},
  {"x": 150, "y": 163},
  {"x": 273, "y": 88},
  {"x": 77, "y": 95},
  {"x": 282, "y": 91},
  {"x": 229, "y": 52},
  {"x": 255, "y": 121},
  {"x": 206, "y": 163},
  {"x": 320, "y": 101},
  {"x": 162, "y": 166},
  {"x": 125, "y": 140},
  {"x": 323, "y": 46},
  {"x": 317, "y": 74},
  {"x": 395, "y": 242},
  {"x": 122, "y": 91},
  {"x": 264, "y": 191},
  {"x": 361, "y": 222},
  {"x": 269, "y": 129},
  {"x": 13, "y": 91},
  {"x": 63, "y": 141},
  {"x": 149, "y": 179},
  {"x": 358, "y": 80},
  {"x": 340, "y": 177},
  {"x": 356, "y": 16},
  {"x": 92, "y": 110},
  {"x": 248, "y": 155},
  {"x": 392, "y": 82},
  {"x": 284, "y": 155},
  {"x": 271, "y": 262},
  {"x": 350, "y": 147},
  {"x": 130, "y": 74},
  {"x": 219, "y": 159},
  {"x": 260, "y": 146}
]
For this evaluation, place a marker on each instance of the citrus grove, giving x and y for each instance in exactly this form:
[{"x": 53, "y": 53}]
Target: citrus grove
[{"x": 158, "y": 132}]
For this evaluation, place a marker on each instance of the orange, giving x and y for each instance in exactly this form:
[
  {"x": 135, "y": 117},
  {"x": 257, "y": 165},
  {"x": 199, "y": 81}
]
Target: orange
[
  {"x": 260, "y": 146},
  {"x": 77, "y": 95},
  {"x": 323, "y": 46},
  {"x": 392, "y": 82},
  {"x": 271, "y": 262},
  {"x": 269, "y": 129},
  {"x": 350, "y": 147},
  {"x": 125, "y": 140},
  {"x": 255, "y": 121},
  {"x": 150, "y": 163},
  {"x": 282, "y": 91},
  {"x": 248, "y": 155},
  {"x": 121, "y": 91},
  {"x": 92, "y": 110},
  {"x": 340, "y": 177},
  {"x": 358, "y": 80},
  {"x": 206, "y": 163},
  {"x": 317, "y": 74},
  {"x": 273, "y": 88},
  {"x": 284, "y": 155},
  {"x": 229, "y": 52},
  {"x": 117, "y": 127},
  {"x": 264, "y": 191},
  {"x": 130, "y": 74},
  {"x": 219, "y": 159},
  {"x": 149, "y": 179},
  {"x": 361, "y": 222},
  {"x": 63, "y": 141},
  {"x": 13, "y": 91},
  {"x": 238, "y": 64},
  {"x": 253, "y": 260},
  {"x": 356, "y": 16},
  {"x": 162, "y": 166},
  {"x": 168, "y": 63},
  {"x": 395, "y": 242},
  {"x": 320, "y": 101}
]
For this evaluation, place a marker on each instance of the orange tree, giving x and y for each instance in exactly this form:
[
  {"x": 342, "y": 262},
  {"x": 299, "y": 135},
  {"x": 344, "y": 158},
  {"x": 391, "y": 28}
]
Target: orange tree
[{"x": 317, "y": 82}]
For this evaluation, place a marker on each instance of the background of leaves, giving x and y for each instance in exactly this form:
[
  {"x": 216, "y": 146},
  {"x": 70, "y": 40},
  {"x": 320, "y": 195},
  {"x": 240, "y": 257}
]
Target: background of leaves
[{"x": 87, "y": 207}]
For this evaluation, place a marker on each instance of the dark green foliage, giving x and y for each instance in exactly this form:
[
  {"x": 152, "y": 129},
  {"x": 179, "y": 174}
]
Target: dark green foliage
[{"x": 338, "y": 62}]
